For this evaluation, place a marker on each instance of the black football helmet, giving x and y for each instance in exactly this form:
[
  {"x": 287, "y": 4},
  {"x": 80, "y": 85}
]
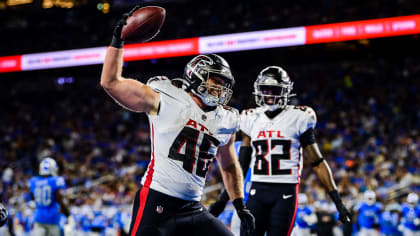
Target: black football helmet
[
  {"x": 272, "y": 88},
  {"x": 200, "y": 69}
]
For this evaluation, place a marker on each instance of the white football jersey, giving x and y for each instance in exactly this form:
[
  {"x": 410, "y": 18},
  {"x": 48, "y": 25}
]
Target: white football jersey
[
  {"x": 184, "y": 141},
  {"x": 276, "y": 148}
]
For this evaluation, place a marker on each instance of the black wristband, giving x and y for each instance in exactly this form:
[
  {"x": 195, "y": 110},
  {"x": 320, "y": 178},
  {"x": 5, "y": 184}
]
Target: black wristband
[
  {"x": 239, "y": 203},
  {"x": 116, "y": 42},
  {"x": 316, "y": 163},
  {"x": 336, "y": 198}
]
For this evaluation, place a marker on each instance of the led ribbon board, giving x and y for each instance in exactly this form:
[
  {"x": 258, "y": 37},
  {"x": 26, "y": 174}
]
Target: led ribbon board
[{"x": 385, "y": 27}]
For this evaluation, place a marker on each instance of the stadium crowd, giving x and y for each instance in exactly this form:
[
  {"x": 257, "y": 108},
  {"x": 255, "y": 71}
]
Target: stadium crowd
[{"x": 368, "y": 129}]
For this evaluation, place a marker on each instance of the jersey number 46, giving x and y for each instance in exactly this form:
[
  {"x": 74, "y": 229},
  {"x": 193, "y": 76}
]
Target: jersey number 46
[{"x": 189, "y": 138}]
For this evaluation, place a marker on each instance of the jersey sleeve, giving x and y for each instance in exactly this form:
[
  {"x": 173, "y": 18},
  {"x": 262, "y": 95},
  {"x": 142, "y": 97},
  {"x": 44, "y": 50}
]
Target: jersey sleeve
[
  {"x": 60, "y": 183},
  {"x": 245, "y": 123},
  {"x": 170, "y": 95},
  {"x": 229, "y": 125},
  {"x": 307, "y": 119}
]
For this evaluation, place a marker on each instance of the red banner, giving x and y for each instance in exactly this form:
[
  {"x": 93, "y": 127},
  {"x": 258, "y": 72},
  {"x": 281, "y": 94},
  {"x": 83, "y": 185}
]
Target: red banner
[
  {"x": 384, "y": 27},
  {"x": 10, "y": 63}
]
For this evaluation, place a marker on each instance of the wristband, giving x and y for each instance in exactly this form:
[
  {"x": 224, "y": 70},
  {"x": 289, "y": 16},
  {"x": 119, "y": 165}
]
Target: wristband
[
  {"x": 239, "y": 203},
  {"x": 316, "y": 163},
  {"x": 336, "y": 198},
  {"x": 116, "y": 42}
]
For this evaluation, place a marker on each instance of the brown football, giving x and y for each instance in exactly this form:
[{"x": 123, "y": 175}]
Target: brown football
[{"x": 143, "y": 24}]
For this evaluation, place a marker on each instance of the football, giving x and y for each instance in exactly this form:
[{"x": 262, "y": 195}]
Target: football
[{"x": 143, "y": 24}]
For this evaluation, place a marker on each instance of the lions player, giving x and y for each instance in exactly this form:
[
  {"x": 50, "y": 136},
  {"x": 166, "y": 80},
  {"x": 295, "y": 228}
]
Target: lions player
[
  {"x": 274, "y": 135},
  {"x": 411, "y": 216},
  {"x": 368, "y": 213},
  {"x": 305, "y": 217},
  {"x": 188, "y": 128},
  {"x": 389, "y": 220},
  {"x": 45, "y": 189}
]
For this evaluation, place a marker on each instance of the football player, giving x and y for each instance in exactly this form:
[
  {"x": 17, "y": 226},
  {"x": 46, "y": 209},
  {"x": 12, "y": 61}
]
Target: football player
[
  {"x": 46, "y": 191},
  {"x": 389, "y": 220},
  {"x": 411, "y": 216},
  {"x": 305, "y": 217},
  {"x": 187, "y": 128},
  {"x": 368, "y": 213},
  {"x": 275, "y": 137}
]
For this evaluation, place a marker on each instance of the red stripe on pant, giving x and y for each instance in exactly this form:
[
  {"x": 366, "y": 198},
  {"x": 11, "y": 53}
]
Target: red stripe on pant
[
  {"x": 145, "y": 189},
  {"x": 294, "y": 213}
]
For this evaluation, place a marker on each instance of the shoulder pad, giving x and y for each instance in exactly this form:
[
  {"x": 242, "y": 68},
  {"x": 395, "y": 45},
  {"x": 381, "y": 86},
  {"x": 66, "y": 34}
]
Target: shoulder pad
[
  {"x": 305, "y": 109},
  {"x": 308, "y": 111}
]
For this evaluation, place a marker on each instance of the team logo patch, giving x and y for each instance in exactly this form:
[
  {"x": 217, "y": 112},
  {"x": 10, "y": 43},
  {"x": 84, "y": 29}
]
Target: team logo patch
[
  {"x": 252, "y": 192},
  {"x": 159, "y": 209}
]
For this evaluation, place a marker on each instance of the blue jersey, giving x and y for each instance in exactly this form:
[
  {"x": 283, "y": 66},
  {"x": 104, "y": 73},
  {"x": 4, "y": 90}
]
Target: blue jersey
[
  {"x": 369, "y": 215},
  {"x": 302, "y": 213},
  {"x": 122, "y": 219},
  {"x": 389, "y": 223},
  {"x": 99, "y": 221},
  {"x": 43, "y": 189},
  {"x": 409, "y": 216}
]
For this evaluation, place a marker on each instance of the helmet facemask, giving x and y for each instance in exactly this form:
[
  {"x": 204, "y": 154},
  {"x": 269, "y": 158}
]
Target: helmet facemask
[
  {"x": 271, "y": 93},
  {"x": 205, "y": 80}
]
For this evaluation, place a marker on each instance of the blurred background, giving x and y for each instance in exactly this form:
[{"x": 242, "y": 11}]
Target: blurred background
[{"x": 366, "y": 94}]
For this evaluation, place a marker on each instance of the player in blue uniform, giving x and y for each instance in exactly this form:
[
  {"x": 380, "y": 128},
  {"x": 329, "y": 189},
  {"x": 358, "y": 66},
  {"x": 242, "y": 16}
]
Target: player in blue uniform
[
  {"x": 389, "y": 220},
  {"x": 305, "y": 217},
  {"x": 368, "y": 215},
  {"x": 411, "y": 216},
  {"x": 45, "y": 189},
  {"x": 122, "y": 219}
]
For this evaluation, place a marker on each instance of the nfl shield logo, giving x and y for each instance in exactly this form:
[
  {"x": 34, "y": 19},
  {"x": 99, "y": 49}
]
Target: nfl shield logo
[
  {"x": 204, "y": 117},
  {"x": 159, "y": 209}
]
